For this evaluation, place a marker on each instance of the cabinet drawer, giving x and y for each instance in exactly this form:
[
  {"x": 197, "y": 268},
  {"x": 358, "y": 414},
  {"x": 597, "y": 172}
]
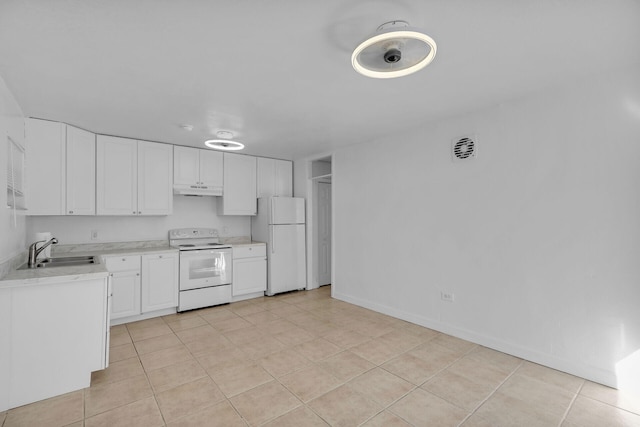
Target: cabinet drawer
[
  {"x": 122, "y": 263},
  {"x": 250, "y": 251}
]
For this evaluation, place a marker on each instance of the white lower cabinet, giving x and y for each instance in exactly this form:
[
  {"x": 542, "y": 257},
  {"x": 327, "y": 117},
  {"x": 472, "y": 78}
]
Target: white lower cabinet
[
  {"x": 159, "y": 281},
  {"x": 143, "y": 283},
  {"x": 249, "y": 269},
  {"x": 53, "y": 337},
  {"x": 125, "y": 285}
]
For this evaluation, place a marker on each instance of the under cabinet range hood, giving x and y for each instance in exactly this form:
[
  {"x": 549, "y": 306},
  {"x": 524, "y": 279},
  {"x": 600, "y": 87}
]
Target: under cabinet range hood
[{"x": 197, "y": 190}]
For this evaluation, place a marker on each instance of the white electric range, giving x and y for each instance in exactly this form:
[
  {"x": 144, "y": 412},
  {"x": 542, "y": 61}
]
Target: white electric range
[{"x": 206, "y": 268}]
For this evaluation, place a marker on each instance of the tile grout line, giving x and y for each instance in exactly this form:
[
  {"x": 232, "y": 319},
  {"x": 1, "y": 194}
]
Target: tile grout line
[
  {"x": 575, "y": 396},
  {"x": 492, "y": 393}
]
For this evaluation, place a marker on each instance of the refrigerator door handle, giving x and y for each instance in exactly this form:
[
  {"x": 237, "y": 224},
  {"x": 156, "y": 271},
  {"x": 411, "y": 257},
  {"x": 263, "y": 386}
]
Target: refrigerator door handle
[
  {"x": 273, "y": 217},
  {"x": 273, "y": 241}
]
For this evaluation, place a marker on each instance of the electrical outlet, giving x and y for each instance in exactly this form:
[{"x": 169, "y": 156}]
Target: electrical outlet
[
  {"x": 94, "y": 234},
  {"x": 447, "y": 296}
]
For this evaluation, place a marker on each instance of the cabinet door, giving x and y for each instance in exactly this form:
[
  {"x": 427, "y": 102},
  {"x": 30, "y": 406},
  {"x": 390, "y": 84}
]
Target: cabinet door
[
  {"x": 239, "y": 194},
  {"x": 155, "y": 178},
  {"x": 116, "y": 176},
  {"x": 211, "y": 165},
  {"x": 249, "y": 275},
  {"x": 125, "y": 288},
  {"x": 81, "y": 172},
  {"x": 186, "y": 166},
  {"x": 45, "y": 167},
  {"x": 159, "y": 281},
  {"x": 265, "y": 185},
  {"x": 283, "y": 176}
]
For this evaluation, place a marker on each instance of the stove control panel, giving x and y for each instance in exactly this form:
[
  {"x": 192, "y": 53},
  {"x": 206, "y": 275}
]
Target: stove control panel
[{"x": 193, "y": 233}]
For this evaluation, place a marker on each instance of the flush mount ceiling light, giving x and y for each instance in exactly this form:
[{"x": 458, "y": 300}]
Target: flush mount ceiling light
[
  {"x": 224, "y": 142},
  {"x": 394, "y": 50}
]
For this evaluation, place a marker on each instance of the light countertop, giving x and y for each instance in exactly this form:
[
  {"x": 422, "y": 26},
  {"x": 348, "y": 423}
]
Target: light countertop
[{"x": 52, "y": 275}]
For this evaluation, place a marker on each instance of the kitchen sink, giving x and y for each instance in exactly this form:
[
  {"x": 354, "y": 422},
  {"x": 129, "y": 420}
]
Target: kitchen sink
[{"x": 70, "y": 261}]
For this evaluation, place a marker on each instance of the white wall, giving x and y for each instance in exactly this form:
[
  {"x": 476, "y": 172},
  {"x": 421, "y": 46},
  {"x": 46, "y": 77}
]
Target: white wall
[
  {"x": 12, "y": 237},
  {"x": 187, "y": 212},
  {"x": 538, "y": 238}
]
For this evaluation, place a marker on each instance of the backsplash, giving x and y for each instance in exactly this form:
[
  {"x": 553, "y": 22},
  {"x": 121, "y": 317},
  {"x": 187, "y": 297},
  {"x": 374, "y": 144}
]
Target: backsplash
[
  {"x": 12, "y": 264},
  {"x": 187, "y": 212},
  {"x": 103, "y": 247}
]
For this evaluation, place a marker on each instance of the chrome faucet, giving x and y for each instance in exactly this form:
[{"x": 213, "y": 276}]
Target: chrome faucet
[{"x": 33, "y": 252}]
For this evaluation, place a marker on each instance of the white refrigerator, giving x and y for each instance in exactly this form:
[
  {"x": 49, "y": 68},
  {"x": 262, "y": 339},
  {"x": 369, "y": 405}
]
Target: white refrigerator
[{"x": 280, "y": 223}]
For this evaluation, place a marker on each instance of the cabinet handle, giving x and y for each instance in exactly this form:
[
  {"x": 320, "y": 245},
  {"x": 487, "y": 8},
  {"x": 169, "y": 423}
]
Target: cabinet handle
[
  {"x": 134, "y": 212},
  {"x": 124, "y": 259},
  {"x": 137, "y": 274},
  {"x": 160, "y": 256},
  {"x": 70, "y": 212}
]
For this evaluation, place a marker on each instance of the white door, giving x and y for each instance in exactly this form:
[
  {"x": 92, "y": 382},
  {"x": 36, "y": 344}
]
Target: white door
[
  {"x": 324, "y": 234},
  {"x": 81, "y": 172},
  {"x": 286, "y": 255}
]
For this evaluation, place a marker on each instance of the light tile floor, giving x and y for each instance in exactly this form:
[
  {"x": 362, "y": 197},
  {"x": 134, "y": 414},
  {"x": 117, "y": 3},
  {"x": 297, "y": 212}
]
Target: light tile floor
[{"x": 305, "y": 359}]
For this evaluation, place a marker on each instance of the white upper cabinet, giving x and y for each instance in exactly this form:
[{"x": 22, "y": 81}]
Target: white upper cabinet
[
  {"x": 197, "y": 171},
  {"x": 275, "y": 178},
  {"x": 60, "y": 169},
  {"x": 45, "y": 167},
  {"x": 155, "y": 172},
  {"x": 81, "y": 172},
  {"x": 211, "y": 166},
  {"x": 133, "y": 177},
  {"x": 239, "y": 195},
  {"x": 186, "y": 166},
  {"x": 116, "y": 176}
]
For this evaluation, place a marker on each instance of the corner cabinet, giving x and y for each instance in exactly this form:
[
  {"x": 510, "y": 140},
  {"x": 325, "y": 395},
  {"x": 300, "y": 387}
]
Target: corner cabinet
[
  {"x": 239, "y": 193},
  {"x": 142, "y": 284},
  {"x": 125, "y": 285},
  {"x": 60, "y": 169},
  {"x": 275, "y": 178},
  {"x": 57, "y": 353},
  {"x": 133, "y": 177}
]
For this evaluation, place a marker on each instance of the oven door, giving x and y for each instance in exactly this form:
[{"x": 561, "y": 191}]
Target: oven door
[{"x": 205, "y": 267}]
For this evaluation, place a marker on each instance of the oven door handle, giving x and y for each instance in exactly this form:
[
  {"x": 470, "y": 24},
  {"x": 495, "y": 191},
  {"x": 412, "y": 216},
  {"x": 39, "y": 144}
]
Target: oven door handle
[{"x": 205, "y": 269}]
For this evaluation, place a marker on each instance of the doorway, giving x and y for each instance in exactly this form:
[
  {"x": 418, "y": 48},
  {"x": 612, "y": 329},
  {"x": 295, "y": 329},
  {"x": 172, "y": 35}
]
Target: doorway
[
  {"x": 321, "y": 223},
  {"x": 324, "y": 233}
]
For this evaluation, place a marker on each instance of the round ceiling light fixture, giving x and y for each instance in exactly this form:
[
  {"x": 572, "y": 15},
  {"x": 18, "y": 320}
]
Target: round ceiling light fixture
[
  {"x": 394, "y": 50},
  {"x": 224, "y": 142}
]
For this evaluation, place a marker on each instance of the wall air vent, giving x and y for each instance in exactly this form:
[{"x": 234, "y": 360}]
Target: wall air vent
[{"x": 464, "y": 148}]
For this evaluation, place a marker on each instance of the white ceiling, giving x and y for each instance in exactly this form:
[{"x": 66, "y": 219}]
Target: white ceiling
[{"x": 278, "y": 73}]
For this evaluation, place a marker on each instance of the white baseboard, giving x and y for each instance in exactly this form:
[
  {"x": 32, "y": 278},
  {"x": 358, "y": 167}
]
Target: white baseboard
[
  {"x": 591, "y": 373},
  {"x": 144, "y": 316}
]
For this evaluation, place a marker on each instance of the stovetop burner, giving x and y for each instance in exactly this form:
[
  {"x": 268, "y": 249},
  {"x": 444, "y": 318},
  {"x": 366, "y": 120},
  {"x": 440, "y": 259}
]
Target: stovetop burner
[{"x": 186, "y": 239}]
